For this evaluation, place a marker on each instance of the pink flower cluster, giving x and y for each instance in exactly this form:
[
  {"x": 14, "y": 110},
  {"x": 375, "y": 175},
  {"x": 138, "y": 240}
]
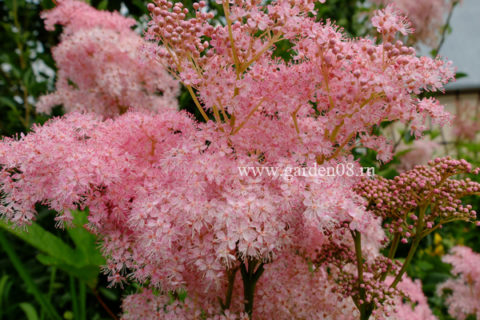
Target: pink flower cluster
[
  {"x": 100, "y": 64},
  {"x": 464, "y": 291},
  {"x": 414, "y": 305},
  {"x": 466, "y": 124},
  {"x": 418, "y": 153},
  {"x": 288, "y": 290},
  {"x": 426, "y": 16},
  {"x": 336, "y": 90},
  {"x": 135, "y": 174},
  {"x": 163, "y": 190}
]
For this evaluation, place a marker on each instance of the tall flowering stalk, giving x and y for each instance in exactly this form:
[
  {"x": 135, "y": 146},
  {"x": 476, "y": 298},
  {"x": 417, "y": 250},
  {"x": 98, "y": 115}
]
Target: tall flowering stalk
[{"x": 164, "y": 192}]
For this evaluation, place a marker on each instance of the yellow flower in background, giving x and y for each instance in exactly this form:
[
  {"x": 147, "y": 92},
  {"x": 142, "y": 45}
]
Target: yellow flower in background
[{"x": 439, "y": 249}]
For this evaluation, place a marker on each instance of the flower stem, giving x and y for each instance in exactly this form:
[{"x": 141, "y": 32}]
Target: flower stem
[
  {"x": 231, "y": 281},
  {"x": 413, "y": 248},
  {"x": 363, "y": 307},
  {"x": 250, "y": 279},
  {"x": 391, "y": 253}
]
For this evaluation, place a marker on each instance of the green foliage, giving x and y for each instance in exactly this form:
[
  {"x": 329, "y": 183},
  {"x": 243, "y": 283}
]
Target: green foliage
[
  {"x": 348, "y": 14},
  {"x": 26, "y": 66},
  {"x": 29, "y": 310},
  {"x": 82, "y": 262},
  {"x": 28, "y": 280}
]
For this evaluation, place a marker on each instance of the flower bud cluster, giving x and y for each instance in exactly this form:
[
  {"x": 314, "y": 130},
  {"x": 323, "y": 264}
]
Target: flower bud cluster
[
  {"x": 341, "y": 260},
  {"x": 181, "y": 36},
  {"x": 421, "y": 200}
]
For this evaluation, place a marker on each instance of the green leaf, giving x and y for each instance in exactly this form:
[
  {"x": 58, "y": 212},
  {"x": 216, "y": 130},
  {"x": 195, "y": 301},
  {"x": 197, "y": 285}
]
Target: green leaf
[
  {"x": 28, "y": 79},
  {"x": 29, "y": 311},
  {"x": 108, "y": 293},
  {"x": 103, "y": 5},
  {"x": 460, "y": 75},
  {"x": 403, "y": 152},
  {"x": 87, "y": 273},
  {"x": 388, "y": 173},
  {"x": 84, "y": 240},
  {"x": 3, "y": 285},
  {"x": 44, "y": 241},
  {"x": 424, "y": 265},
  {"x": 27, "y": 279},
  {"x": 83, "y": 261},
  {"x": 4, "y": 101}
]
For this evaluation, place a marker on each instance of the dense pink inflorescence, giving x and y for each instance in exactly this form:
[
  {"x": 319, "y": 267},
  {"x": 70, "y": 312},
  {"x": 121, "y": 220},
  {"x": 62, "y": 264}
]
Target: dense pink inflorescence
[
  {"x": 136, "y": 173},
  {"x": 287, "y": 290},
  {"x": 100, "y": 64},
  {"x": 463, "y": 293},
  {"x": 77, "y": 15},
  {"x": 426, "y": 16},
  {"x": 353, "y": 84},
  {"x": 164, "y": 191}
]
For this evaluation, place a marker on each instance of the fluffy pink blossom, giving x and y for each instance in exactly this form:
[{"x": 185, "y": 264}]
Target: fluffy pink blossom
[
  {"x": 466, "y": 124},
  {"x": 353, "y": 84},
  {"x": 463, "y": 292},
  {"x": 412, "y": 305},
  {"x": 418, "y": 153},
  {"x": 389, "y": 21},
  {"x": 288, "y": 290},
  {"x": 426, "y": 16},
  {"x": 100, "y": 64},
  {"x": 77, "y": 15},
  {"x": 135, "y": 174}
]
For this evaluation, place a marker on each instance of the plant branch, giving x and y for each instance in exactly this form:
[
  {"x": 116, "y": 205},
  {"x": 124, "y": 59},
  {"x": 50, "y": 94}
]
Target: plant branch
[
  {"x": 413, "y": 248},
  {"x": 103, "y": 304}
]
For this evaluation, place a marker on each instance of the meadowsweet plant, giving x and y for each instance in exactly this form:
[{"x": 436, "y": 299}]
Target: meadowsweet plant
[
  {"x": 463, "y": 292},
  {"x": 165, "y": 195},
  {"x": 100, "y": 65}
]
